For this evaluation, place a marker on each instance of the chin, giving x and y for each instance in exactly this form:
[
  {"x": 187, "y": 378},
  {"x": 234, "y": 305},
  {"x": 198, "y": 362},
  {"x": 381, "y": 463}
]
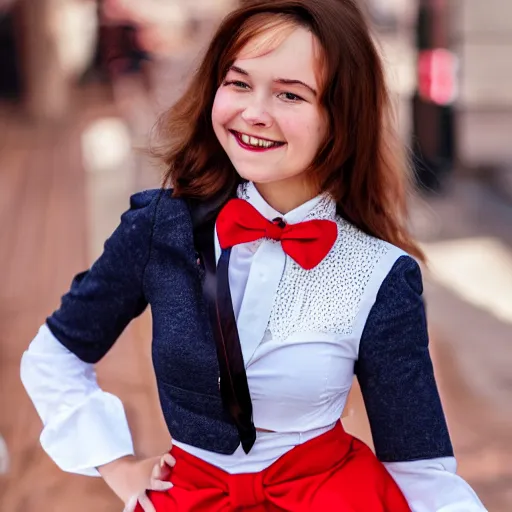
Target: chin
[{"x": 257, "y": 175}]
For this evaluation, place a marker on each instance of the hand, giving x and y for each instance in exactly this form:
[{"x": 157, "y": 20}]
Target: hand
[
  {"x": 158, "y": 481},
  {"x": 130, "y": 478}
]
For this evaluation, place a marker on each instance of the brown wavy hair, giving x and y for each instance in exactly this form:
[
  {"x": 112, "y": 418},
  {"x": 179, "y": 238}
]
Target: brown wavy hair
[{"x": 361, "y": 162}]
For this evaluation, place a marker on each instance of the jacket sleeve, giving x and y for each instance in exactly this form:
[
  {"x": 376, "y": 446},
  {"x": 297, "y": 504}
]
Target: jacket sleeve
[
  {"x": 397, "y": 381},
  {"x": 395, "y": 372},
  {"x": 104, "y": 299}
]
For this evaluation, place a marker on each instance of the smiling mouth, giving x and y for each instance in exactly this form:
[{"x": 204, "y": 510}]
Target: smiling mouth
[{"x": 255, "y": 143}]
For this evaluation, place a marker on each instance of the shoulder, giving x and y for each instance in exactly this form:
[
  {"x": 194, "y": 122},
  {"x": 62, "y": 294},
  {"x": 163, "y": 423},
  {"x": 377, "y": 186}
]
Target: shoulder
[
  {"x": 149, "y": 212},
  {"x": 361, "y": 242},
  {"x": 369, "y": 257},
  {"x": 383, "y": 269},
  {"x": 156, "y": 200},
  {"x": 154, "y": 206},
  {"x": 142, "y": 209},
  {"x": 404, "y": 276}
]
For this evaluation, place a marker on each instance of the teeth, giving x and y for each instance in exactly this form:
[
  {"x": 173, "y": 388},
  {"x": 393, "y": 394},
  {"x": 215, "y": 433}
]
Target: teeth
[{"x": 254, "y": 141}]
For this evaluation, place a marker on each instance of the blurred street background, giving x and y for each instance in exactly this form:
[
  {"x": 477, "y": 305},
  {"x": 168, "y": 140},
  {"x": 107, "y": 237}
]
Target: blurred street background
[{"x": 81, "y": 85}]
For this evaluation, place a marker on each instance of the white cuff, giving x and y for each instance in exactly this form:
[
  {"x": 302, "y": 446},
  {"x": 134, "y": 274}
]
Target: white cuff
[
  {"x": 93, "y": 434},
  {"x": 84, "y": 427},
  {"x": 433, "y": 486}
]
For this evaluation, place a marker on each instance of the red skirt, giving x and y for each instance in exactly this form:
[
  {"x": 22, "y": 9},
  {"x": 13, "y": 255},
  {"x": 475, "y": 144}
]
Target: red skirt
[{"x": 332, "y": 472}]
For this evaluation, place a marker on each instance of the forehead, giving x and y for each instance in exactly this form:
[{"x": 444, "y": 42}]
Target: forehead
[{"x": 291, "y": 52}]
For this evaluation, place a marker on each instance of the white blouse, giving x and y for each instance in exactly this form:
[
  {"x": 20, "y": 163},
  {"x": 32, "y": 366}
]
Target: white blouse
[{"x": 299, "y": 376}]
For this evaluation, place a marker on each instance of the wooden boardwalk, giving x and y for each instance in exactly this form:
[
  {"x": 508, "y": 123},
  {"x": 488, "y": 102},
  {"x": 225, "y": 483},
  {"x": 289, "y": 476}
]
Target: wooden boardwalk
[
  {"x": 43, "y": 243},
  {"x": 45, "y": 203}
]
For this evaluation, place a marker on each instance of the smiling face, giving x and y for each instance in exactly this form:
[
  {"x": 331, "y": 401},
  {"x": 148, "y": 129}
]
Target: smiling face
[{"x": 267, "y": 114}]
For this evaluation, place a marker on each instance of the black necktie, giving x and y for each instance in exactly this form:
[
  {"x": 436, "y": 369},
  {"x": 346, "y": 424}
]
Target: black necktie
[{"x": 234, "y": 387}]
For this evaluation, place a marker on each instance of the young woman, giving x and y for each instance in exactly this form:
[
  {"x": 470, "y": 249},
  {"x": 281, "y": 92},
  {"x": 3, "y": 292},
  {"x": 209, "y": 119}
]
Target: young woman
[{"x": 277, "y": 267}]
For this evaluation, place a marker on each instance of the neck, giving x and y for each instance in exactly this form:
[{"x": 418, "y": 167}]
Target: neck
[{"x": 284, "y": 196}]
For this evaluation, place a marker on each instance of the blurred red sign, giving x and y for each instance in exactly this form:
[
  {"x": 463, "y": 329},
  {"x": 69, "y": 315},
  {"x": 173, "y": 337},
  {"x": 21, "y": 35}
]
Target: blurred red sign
[{"x": 437, "y": 76}]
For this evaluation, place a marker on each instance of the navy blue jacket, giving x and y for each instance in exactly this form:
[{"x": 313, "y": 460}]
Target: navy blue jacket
[{"x": 150, "y": 259}]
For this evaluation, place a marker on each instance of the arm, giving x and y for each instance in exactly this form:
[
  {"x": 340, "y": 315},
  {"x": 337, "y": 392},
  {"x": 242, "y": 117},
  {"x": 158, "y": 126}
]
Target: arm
[
  {"x": 103, "y": 300},
  {"x": 397, "y": 381},
  {"x": 85, "y": 427}
]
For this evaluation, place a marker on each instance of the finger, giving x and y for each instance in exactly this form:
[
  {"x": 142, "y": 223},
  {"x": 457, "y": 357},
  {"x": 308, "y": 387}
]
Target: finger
[
  {"x": 160, "y": 473},
  {"x": 156, "y": 471},
  {"x": 169, "y": 460},
  {"x": 160, "y": 485},
  {"x": 131, "y": 505},
  {"x": 162, "y": 470},
  {"x": 146, "y": 504}
]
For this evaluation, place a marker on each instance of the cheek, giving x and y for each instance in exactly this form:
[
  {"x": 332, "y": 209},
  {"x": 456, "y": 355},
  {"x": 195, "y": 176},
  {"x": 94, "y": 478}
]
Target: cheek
[
  {"x": 223, "y": 108},
  {"x": 306, "y": 130}
]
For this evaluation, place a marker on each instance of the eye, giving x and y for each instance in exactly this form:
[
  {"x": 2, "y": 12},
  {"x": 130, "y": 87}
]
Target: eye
[
  {"x": 289, "y": 96},
  {"x": 238, "y": 84}
]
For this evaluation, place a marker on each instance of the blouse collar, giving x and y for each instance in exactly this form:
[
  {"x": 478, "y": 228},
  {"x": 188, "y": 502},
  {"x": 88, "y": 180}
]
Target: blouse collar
[{"x": 320, "y": 207}]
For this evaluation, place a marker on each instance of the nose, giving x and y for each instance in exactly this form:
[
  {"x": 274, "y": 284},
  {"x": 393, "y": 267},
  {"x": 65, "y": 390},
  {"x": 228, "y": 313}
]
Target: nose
[{"x": 256, "y": 114}]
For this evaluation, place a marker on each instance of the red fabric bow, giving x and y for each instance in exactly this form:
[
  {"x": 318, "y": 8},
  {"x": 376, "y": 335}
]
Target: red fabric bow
[
  {"x": 308, "y": 243},
  {"x": 333, "y": 472}
]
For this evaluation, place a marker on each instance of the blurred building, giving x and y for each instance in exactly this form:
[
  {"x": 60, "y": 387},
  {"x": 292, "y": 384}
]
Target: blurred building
[
  {"x": 450, "y": 64},
  {"x": 481, "y": 36},
  {"x": 47, "y": 46}
]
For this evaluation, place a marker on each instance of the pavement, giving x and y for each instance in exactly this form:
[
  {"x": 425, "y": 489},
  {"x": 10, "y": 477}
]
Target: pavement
[{"x": 467, "y": 235}]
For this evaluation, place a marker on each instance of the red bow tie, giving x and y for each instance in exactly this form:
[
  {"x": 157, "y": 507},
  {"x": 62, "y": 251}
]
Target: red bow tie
[{"x": 308, "y": 243}]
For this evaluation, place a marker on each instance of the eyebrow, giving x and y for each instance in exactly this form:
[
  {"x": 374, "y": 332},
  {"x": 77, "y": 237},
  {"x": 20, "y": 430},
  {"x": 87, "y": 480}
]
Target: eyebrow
[{"x": 286, "y": 81}]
